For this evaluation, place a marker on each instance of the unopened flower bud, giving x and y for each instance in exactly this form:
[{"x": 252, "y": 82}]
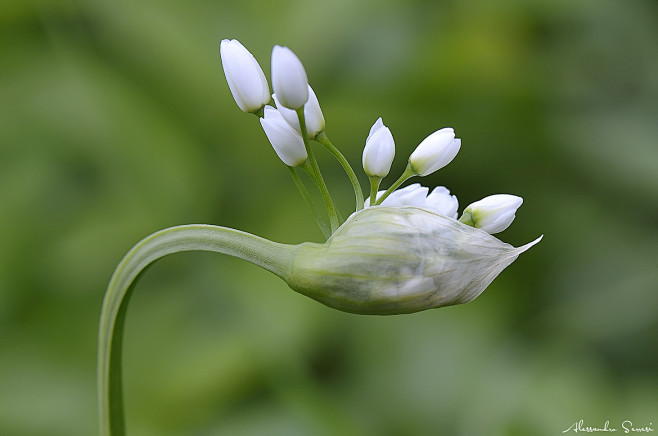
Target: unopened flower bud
[
  {"x": 287, "y": 143},
  {"x": 412, "y": 195},
  {"x": 441, "y": 201},
  {"x": 312, "y": 115},
  {"x": 245, "y": 77},
  {"x": 492, "y": 214},
  {"x": 289, "y": 78},
  {"x": 435, "y": 152},
  {"x": 379, "y": 151},
  {"x": 438, "y": 201},
  {"x": 391, "y": 260}
]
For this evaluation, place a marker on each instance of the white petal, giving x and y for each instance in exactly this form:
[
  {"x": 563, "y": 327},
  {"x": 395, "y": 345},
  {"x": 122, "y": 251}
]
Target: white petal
[
  {"x": 379, "y": 152},
  {"x": 442, "y": 202},
  {"x": 376, "y": 126},
  {"x": 287, "y": 143},
  {"x": 312, "y": 114},
  {"x": 412, "y": 195},
  {"x": 245, "y": 78},
  {"x": 435, "y": 152},
  {"x": 289, "y": 78}
]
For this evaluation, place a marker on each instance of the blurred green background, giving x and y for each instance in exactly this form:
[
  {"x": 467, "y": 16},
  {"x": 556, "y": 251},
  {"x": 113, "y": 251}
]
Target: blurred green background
[{"x": 116, "y": 121}]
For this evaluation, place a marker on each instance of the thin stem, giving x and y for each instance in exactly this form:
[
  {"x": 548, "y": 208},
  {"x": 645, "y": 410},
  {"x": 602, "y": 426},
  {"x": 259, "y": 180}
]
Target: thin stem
[
  {"x": 259, "y": 112},
  {"x": 407, "y": 174},
  {"x": 374, "y": 186},
  {"x": 323, "y": 139},
  {"x": 309, "y": 202},
  {"x": 276, "y": 258},
  {"x": 334, "y": 221},
  {"x": 467, "y": 219}
]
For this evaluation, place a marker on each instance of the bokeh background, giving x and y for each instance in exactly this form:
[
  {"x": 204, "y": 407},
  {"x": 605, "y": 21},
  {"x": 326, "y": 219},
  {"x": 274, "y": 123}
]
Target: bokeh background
[{"x": 116, "y": 121}]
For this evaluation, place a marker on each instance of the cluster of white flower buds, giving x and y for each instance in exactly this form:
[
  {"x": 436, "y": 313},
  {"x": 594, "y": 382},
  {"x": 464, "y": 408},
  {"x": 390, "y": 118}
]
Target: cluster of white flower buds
[
  {"x": 298, "y": 117},
  {"x": 251, "y": 92}
]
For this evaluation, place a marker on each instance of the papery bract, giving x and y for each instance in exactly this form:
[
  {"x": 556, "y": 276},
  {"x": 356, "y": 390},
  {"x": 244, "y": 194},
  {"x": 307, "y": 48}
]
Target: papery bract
[
  {"x": 391, "y": 260},
  {"x": 244, "y": 75}
]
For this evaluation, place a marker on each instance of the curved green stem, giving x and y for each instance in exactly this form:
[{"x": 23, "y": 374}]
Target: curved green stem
[
  {"x": 406, "y": 175},
  {"x": 274, "y": 257},
  {"x": 323, "y": 139},
  {"x": 312, "y": 164},
  {"x": 309, "y": 202}
]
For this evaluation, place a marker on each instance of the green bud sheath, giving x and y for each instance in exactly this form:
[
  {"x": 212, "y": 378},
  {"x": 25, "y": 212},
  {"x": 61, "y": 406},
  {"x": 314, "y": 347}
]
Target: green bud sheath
[{"x": 393, "y": 260}]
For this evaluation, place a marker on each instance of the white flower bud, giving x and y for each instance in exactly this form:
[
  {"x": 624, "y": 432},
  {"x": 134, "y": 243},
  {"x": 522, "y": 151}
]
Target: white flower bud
[
  {"x": 391, "y": 260},
  {"x": 435, "y": 152},
  {"x": 492, "y": 214},
  {"x": 287, "y": 143},
  {"x": 442, "y": 202},
  {"x": 412, "y": 195},
  {"x": 245, "y": 78},
  {"x": 379, "y": 151},
  {"x": 312, "y": 114},
  {"x": 289, "y": 78},
  {"x": 438, "y": 201}
]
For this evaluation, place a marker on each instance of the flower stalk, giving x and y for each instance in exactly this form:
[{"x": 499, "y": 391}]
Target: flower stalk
[
  {"x": 311, "y": 165},
  {"x": 406, "y": 175},
  {"x": 407, "y": 254},
  {"x": 323, "y": 139},
  {"x": 309, "y": 202},
  {"x": 274, "y": 257}
]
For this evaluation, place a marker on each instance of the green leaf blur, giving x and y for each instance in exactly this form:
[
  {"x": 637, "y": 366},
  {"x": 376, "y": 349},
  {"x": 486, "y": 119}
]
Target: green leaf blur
[{"x": 116, "y": 121}]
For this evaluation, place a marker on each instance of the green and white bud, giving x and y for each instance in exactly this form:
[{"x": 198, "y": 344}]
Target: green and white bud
[
  {"x": 435, "y": 152},
  {"x": 493, "y": 214},
  {"x": 391, "y": 260}
]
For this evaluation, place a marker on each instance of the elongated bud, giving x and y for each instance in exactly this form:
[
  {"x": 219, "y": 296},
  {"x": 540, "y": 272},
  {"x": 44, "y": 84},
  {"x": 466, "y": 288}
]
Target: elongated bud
[
  {"x": 289, "y": 78},
  {"x": 390, "y": 260},
  {"x": 379, "y": 151},
  {"x": 492, "y": 214},
  {"x": 435, "y": 152},
  {"x": 287, "y": 143},
  {"x": 245, "y": 77},
  {"x": 312, "y": 114}
]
